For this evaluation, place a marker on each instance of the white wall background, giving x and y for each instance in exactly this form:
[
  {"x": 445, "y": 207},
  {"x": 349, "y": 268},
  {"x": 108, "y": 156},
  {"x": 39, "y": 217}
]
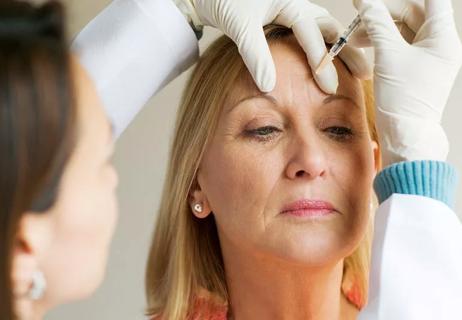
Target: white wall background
[{"x": 141, "y": 158}]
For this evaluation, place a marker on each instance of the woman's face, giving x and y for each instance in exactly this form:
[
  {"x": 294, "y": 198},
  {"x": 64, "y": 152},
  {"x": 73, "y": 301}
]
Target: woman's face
[
  {"x": 78, "y": 228},
  {"x": 289, "y": 174}
]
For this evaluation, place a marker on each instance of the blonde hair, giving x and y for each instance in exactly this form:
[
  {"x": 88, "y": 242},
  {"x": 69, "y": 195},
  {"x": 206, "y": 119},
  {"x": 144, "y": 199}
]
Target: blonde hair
[{"x": 185, "y": 254}]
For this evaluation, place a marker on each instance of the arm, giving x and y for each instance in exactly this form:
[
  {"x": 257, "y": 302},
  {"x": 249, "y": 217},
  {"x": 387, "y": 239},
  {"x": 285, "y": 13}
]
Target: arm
[
  {"x": 412, "y": 80},
  {"x": 416, "y": 270},
  {"x": 132, "y": 50}
]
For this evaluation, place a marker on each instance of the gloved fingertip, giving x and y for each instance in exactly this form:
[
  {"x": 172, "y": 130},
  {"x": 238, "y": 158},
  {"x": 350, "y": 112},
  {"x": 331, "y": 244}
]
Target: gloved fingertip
[
  {"x": 360, "y": 68},
  {"x": 256, "y": 55},
  {"x": 369, "y": 73},
  {"x": 328, "y": 87},
  {"x": 327, "y": 79},
  {"x": 360, "y": 39},
  {"x": 266, "y": 84}
]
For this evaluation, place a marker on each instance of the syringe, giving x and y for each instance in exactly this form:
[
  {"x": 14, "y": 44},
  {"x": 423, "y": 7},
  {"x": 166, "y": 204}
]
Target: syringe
[{"x": 338, "y": 46}]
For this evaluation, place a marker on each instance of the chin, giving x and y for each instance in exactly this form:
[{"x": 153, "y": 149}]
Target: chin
[
  {"x": 322, "y": 250},
  {"x": 88, "y": 284}
]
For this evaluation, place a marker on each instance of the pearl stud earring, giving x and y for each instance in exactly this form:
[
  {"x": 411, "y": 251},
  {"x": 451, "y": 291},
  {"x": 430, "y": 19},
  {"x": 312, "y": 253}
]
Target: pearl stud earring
[
  {"x": 38, "y": 286},
  {"x": 198, "y": 208}
]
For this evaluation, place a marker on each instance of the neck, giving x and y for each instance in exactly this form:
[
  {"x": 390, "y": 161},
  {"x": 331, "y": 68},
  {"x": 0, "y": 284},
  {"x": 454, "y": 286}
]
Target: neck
[
  {"x": 265, "y": 288},
  {"x": 30, "y": 310},
  {"x": 39, "y": 312}
]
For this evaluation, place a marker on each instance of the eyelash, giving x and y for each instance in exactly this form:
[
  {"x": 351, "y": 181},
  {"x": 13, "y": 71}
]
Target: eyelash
[
  {"x": 267, "y": 133},
  {"x": 263, "y": 133},
  {"x": 339, "y": 133}
]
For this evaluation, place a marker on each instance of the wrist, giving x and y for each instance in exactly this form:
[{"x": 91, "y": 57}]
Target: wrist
[
  {"x": 409, "y": 139},
  {"x": 432, "y": 179},
  {"x": 190, "y": 13}
]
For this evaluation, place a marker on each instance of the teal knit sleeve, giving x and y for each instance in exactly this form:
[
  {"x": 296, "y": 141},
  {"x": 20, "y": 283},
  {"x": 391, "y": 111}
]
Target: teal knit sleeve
[{"x": 433, "y": 179}]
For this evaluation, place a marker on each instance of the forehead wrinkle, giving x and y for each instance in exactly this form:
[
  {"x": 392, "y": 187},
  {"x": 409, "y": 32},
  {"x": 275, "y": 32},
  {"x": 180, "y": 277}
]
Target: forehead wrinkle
[
  {"x": 294, "y": 79},
  {"x": 245, "y": 83},
  {"x": 299, "y": 90},
  {"x": 260, "y": 95},
  {"x": 297, "y": 56}
]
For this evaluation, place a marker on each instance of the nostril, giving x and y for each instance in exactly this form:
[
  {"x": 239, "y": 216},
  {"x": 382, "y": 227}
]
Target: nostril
[{"x": 300, "y": 173}]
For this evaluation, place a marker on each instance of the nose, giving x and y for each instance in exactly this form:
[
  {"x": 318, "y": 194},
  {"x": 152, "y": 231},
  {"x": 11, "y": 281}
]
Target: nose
[{"x": 306, "y": 158}]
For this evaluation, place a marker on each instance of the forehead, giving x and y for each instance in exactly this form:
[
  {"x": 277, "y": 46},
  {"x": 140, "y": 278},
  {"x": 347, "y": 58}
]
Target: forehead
[{"x": 295, "y": 78}]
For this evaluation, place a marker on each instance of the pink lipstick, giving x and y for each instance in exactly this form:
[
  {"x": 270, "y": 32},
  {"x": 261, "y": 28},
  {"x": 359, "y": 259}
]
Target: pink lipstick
[{"x": 309, "y": 208}]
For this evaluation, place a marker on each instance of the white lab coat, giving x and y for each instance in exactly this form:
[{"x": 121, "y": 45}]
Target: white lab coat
[{"x": 135, "y": 47}]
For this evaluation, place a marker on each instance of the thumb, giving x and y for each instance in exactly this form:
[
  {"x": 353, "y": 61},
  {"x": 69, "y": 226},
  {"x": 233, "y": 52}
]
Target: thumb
[
  {"x": 256, "y": 55},
  {"x": 360, "y": 38},
  {"x": 440, "y": 23},
  {"x": 437, "y": 7},
  {"x": 408, "y": 16},
  {"x": 378, "y": 22}
]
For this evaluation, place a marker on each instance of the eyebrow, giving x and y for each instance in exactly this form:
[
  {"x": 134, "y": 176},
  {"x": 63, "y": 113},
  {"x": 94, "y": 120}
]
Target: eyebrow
[
  {"x": 265, "y": 96},
  {"x": 274, "y": 101},
  {"x": 334, "y": 97}
]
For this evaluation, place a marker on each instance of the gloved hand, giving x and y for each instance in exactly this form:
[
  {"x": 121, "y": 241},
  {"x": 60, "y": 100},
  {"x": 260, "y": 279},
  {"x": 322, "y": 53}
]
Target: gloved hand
[
  {"x": 243, "y": 21},
  {"x": 412, "y": 80}
]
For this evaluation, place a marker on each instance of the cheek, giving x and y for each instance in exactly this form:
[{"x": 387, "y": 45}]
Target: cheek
[
  {"x": 90, "y": 206},
  {"x": 86, "y": 214},
  {"x": 238, "y": 181},
  {"x": 353, "y": 173},
  {"x": 352, "y": 167}
]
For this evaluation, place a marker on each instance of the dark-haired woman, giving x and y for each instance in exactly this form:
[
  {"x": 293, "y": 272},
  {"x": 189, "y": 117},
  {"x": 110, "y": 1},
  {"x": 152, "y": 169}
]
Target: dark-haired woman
[{"x": 57, "y": 199}]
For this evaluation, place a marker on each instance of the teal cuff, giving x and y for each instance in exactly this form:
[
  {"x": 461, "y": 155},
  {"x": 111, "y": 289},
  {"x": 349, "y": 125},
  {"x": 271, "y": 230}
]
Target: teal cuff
[{"x": 434, "y": 179}]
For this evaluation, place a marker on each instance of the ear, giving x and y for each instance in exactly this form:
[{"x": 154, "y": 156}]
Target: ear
[
  {"x": 31, "y": 244},
  {"x": 198, "y": 201},
  {"x": 377, "y": 156},
  {"x": 36, "y": 232}
]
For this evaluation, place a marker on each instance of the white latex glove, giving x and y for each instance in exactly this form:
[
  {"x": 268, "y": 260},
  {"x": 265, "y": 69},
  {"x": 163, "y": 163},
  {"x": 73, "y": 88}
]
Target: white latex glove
[
  {"x": 243, "y": 21},
  {"x": 412, "y": 81}
]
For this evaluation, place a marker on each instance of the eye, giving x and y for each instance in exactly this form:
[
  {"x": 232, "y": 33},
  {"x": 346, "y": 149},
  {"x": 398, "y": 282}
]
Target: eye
[
  {"x": 263, "y": 133},
  {"x": 339, "y": 133}
]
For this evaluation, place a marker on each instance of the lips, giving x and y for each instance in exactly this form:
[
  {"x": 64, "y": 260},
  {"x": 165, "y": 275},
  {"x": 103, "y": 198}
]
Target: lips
[{"x": 309, "y": 208}]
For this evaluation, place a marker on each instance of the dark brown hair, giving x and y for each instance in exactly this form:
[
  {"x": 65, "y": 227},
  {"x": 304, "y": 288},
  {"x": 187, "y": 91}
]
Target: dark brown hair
[{"x": 37, "y": 121}]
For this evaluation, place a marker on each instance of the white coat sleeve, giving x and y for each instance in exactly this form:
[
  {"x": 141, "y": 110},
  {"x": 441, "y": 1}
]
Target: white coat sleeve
[
  {"x": 416, "y": 271},
  {"x": 131, "y": 50}
]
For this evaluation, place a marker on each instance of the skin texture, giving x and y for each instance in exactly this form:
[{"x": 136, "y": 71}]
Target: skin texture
[
  {"x": 69, "y": 243},
  {"x": 280, "y": 266}
]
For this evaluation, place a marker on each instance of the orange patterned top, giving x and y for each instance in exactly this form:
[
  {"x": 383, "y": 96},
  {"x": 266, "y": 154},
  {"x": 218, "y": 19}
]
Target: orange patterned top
[{"x": 208, "y": 306}]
